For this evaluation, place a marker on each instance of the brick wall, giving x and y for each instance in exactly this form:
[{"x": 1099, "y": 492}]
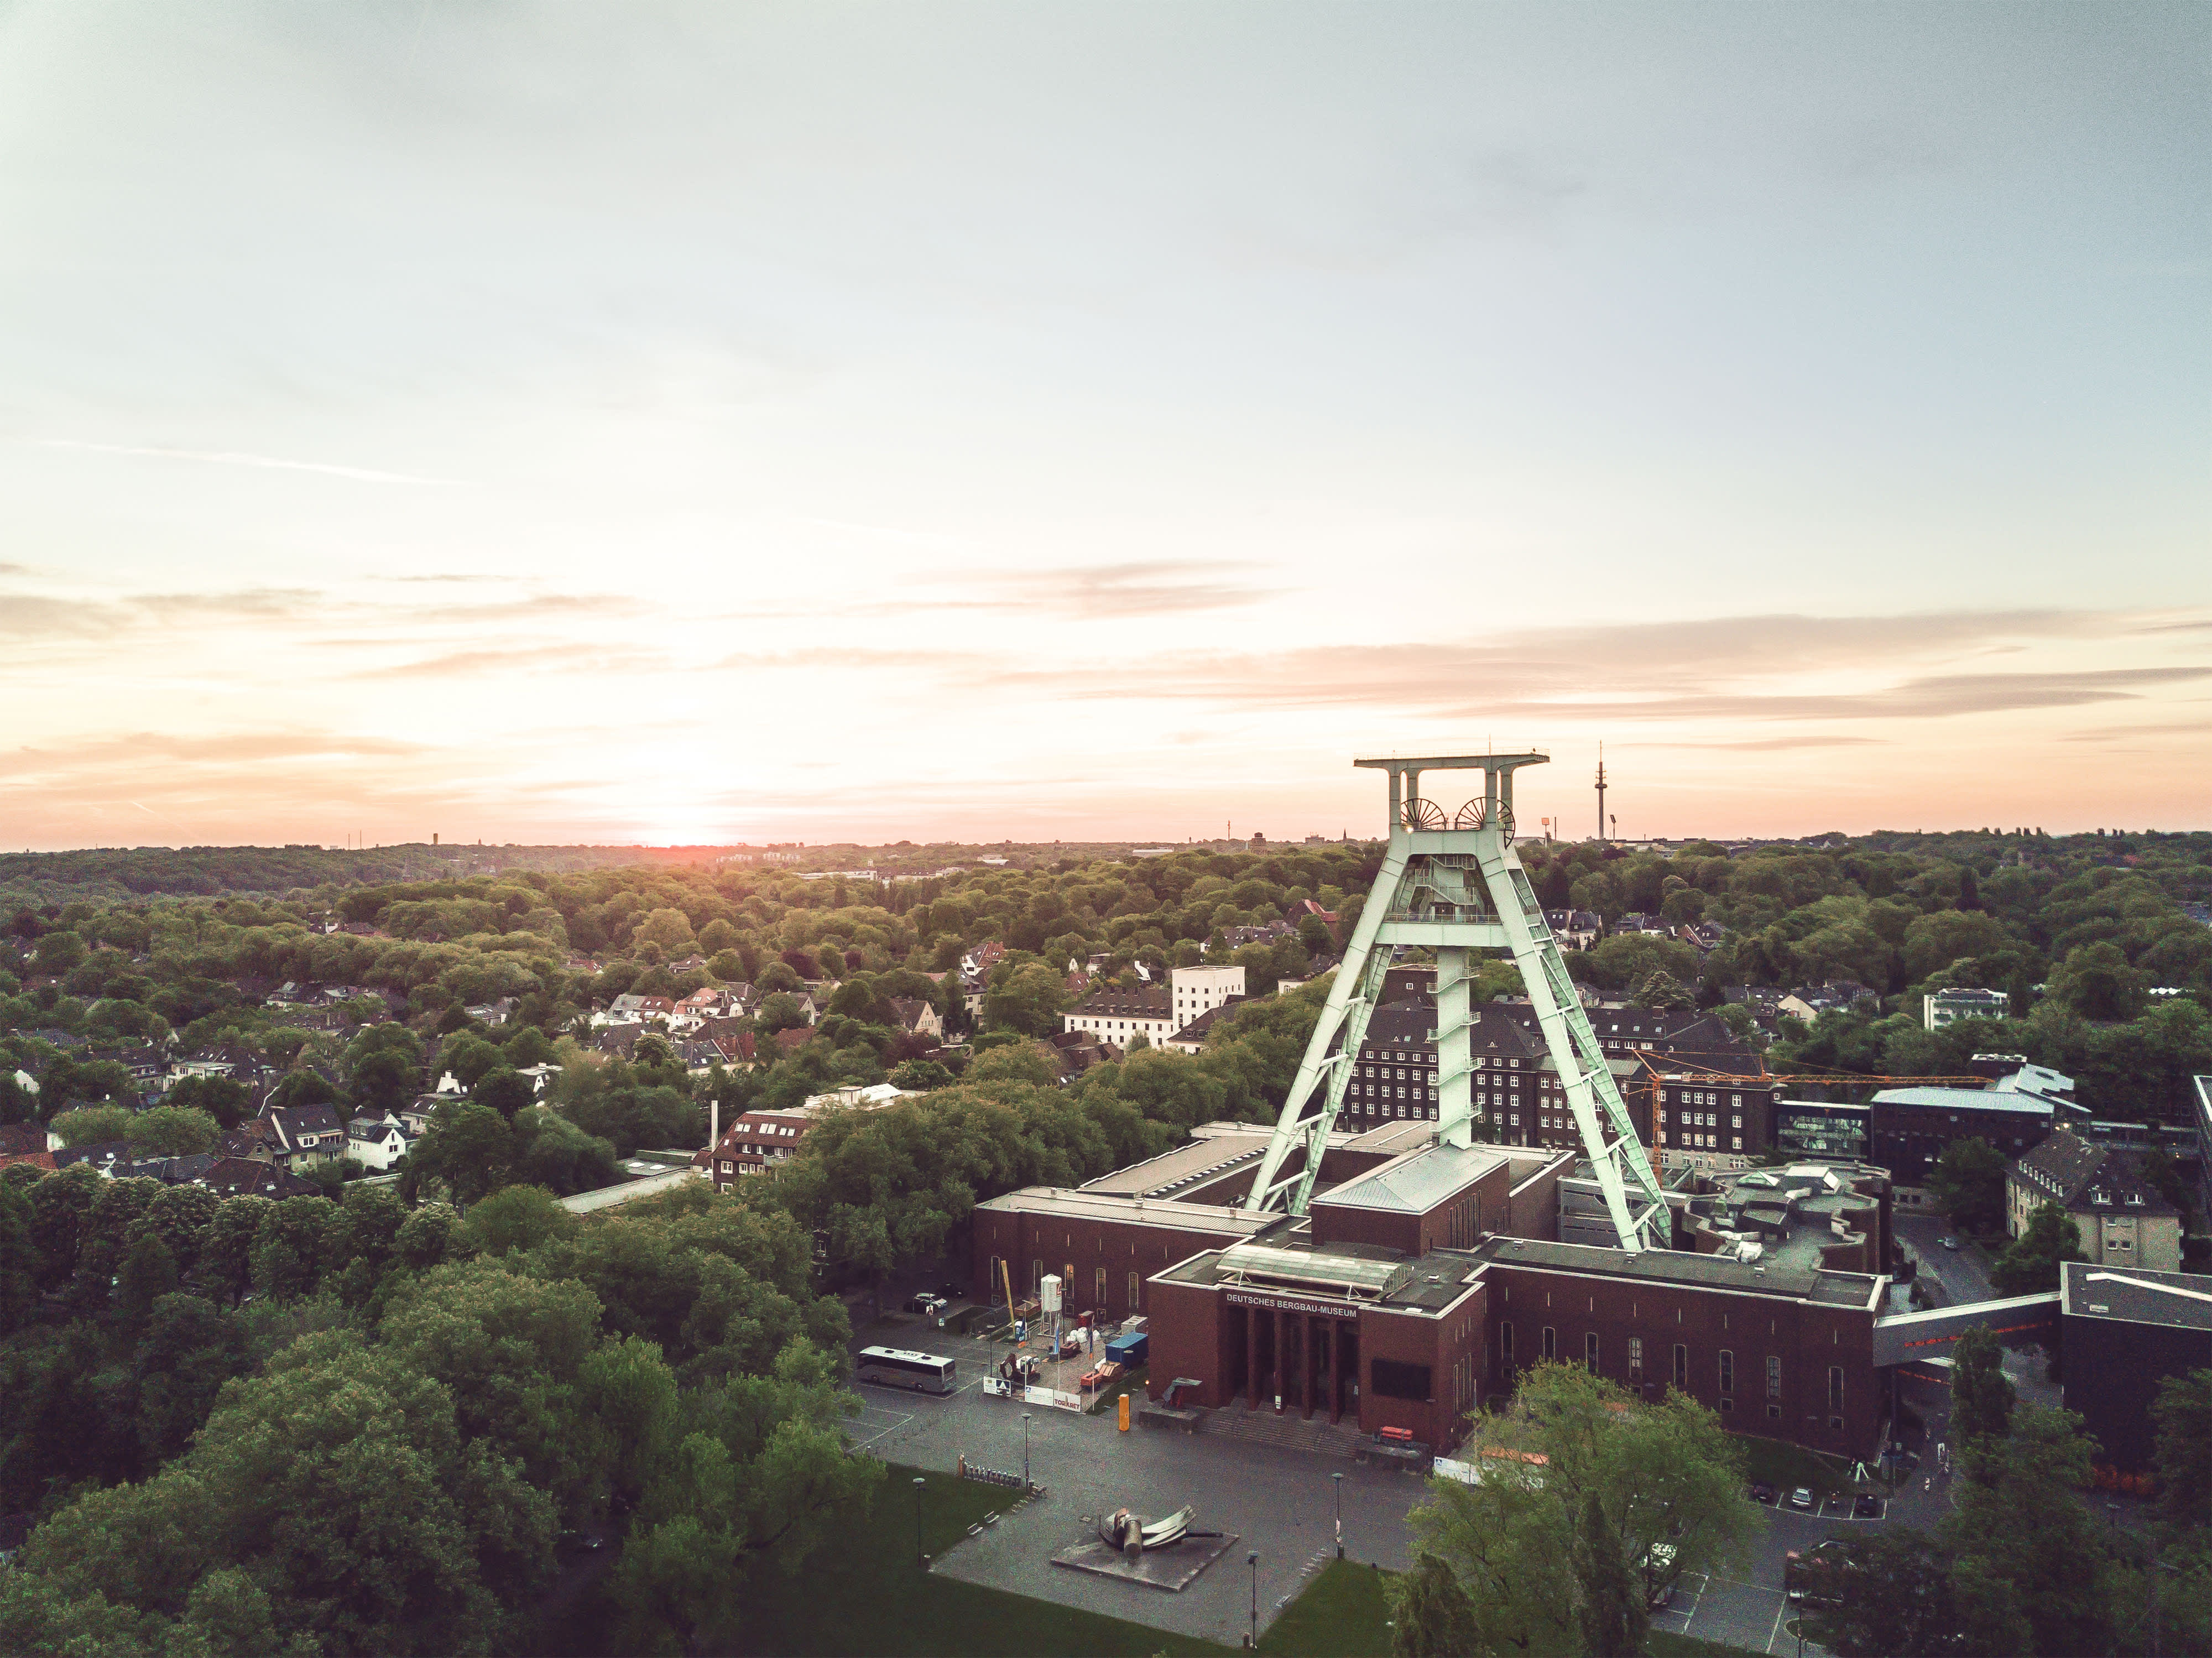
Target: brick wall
[{"x": 1807, "y": 1340}]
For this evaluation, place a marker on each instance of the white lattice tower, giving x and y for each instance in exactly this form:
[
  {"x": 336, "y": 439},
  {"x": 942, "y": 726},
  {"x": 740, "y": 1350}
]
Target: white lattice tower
[{"x": 1451, "y": 883}]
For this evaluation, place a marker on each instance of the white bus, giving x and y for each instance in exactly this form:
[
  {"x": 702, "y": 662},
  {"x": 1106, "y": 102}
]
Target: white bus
[{"x": 893, "y": 1367}]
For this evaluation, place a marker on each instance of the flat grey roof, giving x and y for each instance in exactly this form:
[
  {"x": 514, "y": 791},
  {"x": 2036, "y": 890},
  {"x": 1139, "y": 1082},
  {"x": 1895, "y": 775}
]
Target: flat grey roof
[
  {"x": 2133, "y": 1294},
  {"x": 1186, "y": 1165},
  {"x": 1683, "y": 1267},
  {"x": 1425, "y": 1283},
  {"x": 1416, "y": 1182},
  {"x": 1966, "y": 1099},
  {"x": 1078, "y": 1203}
]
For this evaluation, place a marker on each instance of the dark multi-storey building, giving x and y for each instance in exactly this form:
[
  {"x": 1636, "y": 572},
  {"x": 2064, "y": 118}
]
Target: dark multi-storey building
[{"x": 2123, "y": 1332}]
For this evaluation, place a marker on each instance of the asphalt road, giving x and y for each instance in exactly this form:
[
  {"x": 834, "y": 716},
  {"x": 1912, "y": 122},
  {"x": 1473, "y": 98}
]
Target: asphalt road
[{"x": 1961, "y": 1272}]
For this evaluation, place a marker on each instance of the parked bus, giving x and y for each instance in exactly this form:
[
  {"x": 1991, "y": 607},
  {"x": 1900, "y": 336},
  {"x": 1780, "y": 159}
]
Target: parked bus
[{"x": 893, "y": 1367}]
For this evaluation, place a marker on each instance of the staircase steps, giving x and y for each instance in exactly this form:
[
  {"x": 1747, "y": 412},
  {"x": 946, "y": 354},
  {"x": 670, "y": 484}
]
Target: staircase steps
[{"x": 1289, "y": 1431}]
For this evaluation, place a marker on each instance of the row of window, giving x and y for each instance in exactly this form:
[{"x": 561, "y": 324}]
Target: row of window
[{"x": 1679, "y": 1367}]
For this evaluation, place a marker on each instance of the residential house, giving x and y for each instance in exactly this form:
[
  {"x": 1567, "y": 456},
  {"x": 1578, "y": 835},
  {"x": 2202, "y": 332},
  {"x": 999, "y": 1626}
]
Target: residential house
[
  {"x": 1636, "y": 921},
  {"x": 697, "y": 1056},
  {"x": 1191, "y": 1039},
  {"x": 302, "y": 1136},
  {"x": 419, "y": 1113},
  {"x": 249, "y": 1141},
  {"x": 755, "y": 1142},
  {"x": 23, "y": 1139},
  {"x": 1078, "y": 1051},
  {"x": 1808, "y": 1002},
  {"x": 1943, "y": 1006},
  {"x": 377, "y": 1141},
  {"x": 237, "y": 1177},
  {"x": 918, "y": 1018},
  {"x": 541, "y": 1077},
  {"x": 1575, "y": 929},
  {"x": 492, "y": 1013},
  {"x": 2122, "y": 1218},
  {"x": 103, "y": 1157}
]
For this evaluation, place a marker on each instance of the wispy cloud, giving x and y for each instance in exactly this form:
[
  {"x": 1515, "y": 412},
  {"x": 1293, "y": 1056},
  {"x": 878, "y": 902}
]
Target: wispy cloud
[
  {"x": 239, "y": 457},
  {"x": 1722, "y": 669}
]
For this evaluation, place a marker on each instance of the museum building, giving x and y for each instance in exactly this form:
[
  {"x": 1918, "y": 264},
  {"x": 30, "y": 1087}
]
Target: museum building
[{"x": 1424, "y": 1276}]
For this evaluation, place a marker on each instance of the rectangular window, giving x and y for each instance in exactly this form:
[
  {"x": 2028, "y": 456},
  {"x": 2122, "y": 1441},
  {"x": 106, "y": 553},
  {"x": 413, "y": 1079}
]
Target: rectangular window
[
  {"x": 1636, "y": 1358},
  {"x": 1773, "y": 1378},
  {"x": 1037, "y": 1276},
  {"x": 1136, "y": 1289},
  {"x": 1681, "y": 1368},
  {"x": 1835, "y": 1387},
  {"x": 1590, "y": 1351},
  {"x": 1505, "y": 1345},
  {"x": 1727, "y": 1371},
  {"x": 1393, "y": 1380},
  {"x": 1550, "y": 1345},
  {"x": 1098, "y": 1287}
]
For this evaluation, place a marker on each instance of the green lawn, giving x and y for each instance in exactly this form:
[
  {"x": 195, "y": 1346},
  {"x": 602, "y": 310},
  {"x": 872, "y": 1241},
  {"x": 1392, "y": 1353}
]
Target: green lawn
[
  {"x": 1788, "y": 1466},
  {"x": 1664, "y": 1645},
  {"x": 1342, "y": 1614},
  {"x": 867, "y": 1597}
]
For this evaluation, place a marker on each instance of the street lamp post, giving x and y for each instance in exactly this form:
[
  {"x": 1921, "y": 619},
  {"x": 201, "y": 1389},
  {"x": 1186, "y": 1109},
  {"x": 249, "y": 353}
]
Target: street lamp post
[
  {"x": 1252, "y": 1639},
  {"x": 920, "y": 1558},
  {"x": 1025, "y": 1450},
  {"x": 1339, "y": 1480}
]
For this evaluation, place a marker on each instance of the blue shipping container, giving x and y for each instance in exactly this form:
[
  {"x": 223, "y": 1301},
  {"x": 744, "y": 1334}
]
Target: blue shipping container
[{"x": 1128, "y": 1350}]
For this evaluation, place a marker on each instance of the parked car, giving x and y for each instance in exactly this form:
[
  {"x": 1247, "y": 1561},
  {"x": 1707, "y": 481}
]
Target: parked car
[
  {"x": 1950, "y": 1243},
  {"x": 1866, "y": 1506},
  {"x": 953, "y": 1291},
  {"x": 1763, "y": 1493},
  {"x": 928, "y": 1305},
  {"x": 1802, "y": 1498}
]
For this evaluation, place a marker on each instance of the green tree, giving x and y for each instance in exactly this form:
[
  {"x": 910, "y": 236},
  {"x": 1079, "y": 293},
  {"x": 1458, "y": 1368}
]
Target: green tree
[
  {"x": 1430, "y": 1614},
  {"x": 469, "y": 1057},
  {"x": 2182, "y": 1412},
  {"x": 149, "y": 1271},
  {"x": 468, "y": 1146},
  {"x": 1028, "y": 1000},
  {"x": 2020, "y": 1517},
  {"x": 1526, "y": 1551},
  {"x": 91, "y": 1125},
  {"x": 1968, "y": 1181},
  {"x": 515, "y": 1217},
  {"x": 668, "y": 928},
  {"x": 1981, "y": 1397},
  {"x": 19, "y": 1261},
  {"x": 504, "y": 1090},
  {"x": 2030, "y": 1262},
  {"x": 229, "y": 1102},
  {"x": 1613, "y": 1615},
  {"x": 170, "y": 1130},
  {"x": 2096, "y": 981}
]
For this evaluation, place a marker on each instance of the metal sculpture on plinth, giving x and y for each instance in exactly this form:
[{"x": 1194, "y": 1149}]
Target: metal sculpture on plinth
[{"x": 1451, "y": 882}]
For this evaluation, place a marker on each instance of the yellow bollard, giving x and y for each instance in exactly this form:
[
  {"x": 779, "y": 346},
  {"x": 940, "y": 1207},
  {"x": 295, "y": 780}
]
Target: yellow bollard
[{"x": 1124, "y": 1413}]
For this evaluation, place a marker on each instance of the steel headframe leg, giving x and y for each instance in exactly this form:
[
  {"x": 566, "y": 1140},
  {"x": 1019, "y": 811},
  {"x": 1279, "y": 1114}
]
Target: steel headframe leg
[{"x": 1432, "y": 891}]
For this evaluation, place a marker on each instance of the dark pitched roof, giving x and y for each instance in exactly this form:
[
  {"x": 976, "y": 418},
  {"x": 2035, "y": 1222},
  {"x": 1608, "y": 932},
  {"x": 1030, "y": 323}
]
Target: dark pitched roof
[
  {"x": 1148, "y": 1003},
  {"x": 231, "y": 1177},
  {"x": 2083, "y": 1175},
  {"x": 1195, "y": 1031}
]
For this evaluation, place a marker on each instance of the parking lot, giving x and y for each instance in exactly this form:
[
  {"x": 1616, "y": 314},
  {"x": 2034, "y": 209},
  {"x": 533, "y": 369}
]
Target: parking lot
[{"x": 1280, "y": 1504}]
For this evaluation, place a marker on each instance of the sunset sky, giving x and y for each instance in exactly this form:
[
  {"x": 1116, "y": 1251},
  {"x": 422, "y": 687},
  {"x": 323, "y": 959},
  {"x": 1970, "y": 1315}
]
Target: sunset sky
[{"x": 668, "y": 423}]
